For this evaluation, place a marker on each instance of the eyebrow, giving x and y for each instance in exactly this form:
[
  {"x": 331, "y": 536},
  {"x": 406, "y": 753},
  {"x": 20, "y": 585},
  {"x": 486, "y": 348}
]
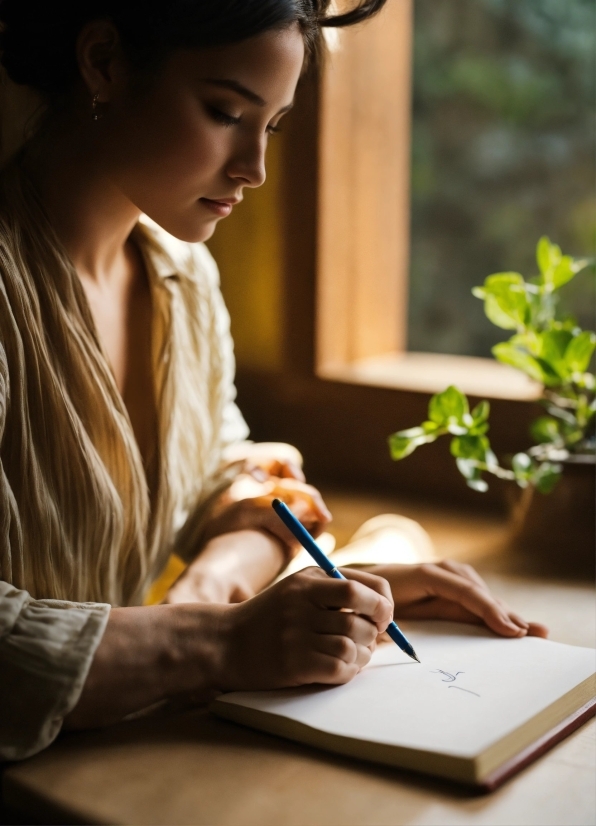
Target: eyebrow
[{"x": 240, "y": 89}]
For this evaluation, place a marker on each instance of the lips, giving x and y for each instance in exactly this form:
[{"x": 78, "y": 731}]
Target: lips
[{"x": 220, "y": 206}]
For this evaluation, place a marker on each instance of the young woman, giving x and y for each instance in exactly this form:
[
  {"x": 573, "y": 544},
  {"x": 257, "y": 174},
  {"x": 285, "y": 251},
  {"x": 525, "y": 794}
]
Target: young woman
[{"x": 119, "y": 438}]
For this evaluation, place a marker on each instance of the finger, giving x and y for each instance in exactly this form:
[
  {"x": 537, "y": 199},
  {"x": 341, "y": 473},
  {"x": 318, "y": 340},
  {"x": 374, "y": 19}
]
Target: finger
[
  {"x": 290, "y": 470},
  {"x": 304, "y": 509},
  {"x": 441, "y": 583},
  {"x": 463, "y": 570},
  {"x": 329, "y": 670},
  {"x": 305, "y": 516},
  {"x": 344, "y": 649},
  {"x": 518, "y": 620},
  {"x": 536, "y": 629},
  {"x": 256, "y": 471},
  {"x": 357, "y": 628},
  {"x": 289, "y": 489},
  {"x": 377, "y": 583},
  {"x": 352, "y": 595},
  {"x": 513, "y": 615}
]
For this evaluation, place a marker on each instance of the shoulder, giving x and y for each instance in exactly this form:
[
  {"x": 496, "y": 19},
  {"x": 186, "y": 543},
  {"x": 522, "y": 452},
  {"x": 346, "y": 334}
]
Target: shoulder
[{"x": 170, "y": 255}]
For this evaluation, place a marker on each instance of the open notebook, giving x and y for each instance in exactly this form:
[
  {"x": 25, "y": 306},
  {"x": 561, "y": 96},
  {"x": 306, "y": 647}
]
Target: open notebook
[{"x": 477, "y": 708}]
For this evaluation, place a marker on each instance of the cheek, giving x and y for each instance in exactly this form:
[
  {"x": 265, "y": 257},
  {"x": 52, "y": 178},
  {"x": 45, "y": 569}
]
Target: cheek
[{"x": 168, "y": 150}]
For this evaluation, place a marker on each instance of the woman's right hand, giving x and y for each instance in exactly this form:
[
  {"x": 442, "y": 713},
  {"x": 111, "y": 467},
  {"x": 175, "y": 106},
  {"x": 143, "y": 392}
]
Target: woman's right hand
[
  {"x": 308, "y": 628},
  {"x": 291, "y": 634}
]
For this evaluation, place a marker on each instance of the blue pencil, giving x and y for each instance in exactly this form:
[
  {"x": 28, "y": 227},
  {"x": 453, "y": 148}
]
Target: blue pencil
[{"x": 307, "y": 542}]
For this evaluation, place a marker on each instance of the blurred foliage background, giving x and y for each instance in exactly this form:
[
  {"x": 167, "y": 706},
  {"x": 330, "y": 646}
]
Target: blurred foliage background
[{"x": 503, "y": 151}]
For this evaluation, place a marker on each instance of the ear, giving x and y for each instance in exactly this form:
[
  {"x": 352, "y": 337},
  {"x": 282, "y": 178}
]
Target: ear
[{"x": 100, "y": 59}]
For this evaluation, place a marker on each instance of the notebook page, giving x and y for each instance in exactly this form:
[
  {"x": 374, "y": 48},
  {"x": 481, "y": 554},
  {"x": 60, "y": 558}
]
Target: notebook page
[{"x": 469, "y": 691}]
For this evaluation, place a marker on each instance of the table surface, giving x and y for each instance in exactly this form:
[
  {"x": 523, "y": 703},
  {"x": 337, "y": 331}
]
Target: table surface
[{"x": 190, "y": 768}]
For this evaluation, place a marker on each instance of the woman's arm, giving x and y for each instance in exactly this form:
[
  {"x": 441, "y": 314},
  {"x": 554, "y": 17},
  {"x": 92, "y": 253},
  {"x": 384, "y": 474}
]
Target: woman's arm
[
  {"x": 292, "y": 634},
  {"x": 231, "y": 568},
  {"x": 242, "y": 544}
]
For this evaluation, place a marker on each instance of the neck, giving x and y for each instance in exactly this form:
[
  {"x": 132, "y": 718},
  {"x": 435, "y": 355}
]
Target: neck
[{"x": 90, "y": 214}]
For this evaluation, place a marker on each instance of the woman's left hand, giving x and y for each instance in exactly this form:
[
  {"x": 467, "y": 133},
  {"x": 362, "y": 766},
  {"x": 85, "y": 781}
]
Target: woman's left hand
[
  {"x": 452, "y": 591},
  {"x": 266, "y": 460},
  {"x": 246, "y": 505}
]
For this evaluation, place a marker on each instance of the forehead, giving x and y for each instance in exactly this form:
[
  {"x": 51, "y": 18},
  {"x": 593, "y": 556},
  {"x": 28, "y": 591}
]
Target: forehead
[{"x": 270, "y": 64}]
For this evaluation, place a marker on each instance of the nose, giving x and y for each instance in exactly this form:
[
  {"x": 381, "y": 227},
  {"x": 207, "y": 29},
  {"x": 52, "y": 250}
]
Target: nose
[{"x": 247, "y": 166}]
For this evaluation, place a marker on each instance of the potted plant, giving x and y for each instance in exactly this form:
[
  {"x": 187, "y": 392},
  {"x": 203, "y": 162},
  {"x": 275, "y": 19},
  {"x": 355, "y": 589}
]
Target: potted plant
[{"x": 557, "y": 353}]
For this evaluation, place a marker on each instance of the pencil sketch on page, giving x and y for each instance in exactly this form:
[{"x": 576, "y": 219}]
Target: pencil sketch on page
[{"x": 451, "y": 678}]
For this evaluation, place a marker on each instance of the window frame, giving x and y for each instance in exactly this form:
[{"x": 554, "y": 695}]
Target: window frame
[{"x": 338, "y": 401}]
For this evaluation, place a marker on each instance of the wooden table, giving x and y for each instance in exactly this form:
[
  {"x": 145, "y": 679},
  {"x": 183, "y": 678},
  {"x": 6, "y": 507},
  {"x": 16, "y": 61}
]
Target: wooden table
[{"x": 189, "y": 768}]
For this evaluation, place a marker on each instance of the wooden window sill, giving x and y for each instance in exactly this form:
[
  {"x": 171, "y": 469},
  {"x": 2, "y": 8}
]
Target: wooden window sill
[{"x": 433, "y": 372}]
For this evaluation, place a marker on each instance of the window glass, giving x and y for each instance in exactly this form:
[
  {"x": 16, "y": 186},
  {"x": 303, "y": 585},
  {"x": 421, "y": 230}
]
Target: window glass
[{"x": 503, "y": 145}]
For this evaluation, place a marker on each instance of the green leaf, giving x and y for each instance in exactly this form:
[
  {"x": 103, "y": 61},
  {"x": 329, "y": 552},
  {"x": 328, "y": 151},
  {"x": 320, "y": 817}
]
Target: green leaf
[
  {"x": 528, "y": 340},
  {"x": 546, "y": 429},
  {"x": 490, "y": 459},
  {"x": 563, "y": 272},
  {"x": 579, "y": 352},
  {"x": 478, "y": 484},
  {"x": 553, "y": 347},
  {"x": 470, "y": 447},
  {"x": 522, "y": 464},
  {"x": 548, "y": 257},
  {"x": 402, "y": 446},
  {"x": 505, "y": 299},
  {"x": 472, "y": 474},
  {"x": 448, "y": 407},
  {"x": 411, "y": 433},
  {"x": 508, "y": 354},
  {"x": 481, "y": 412},
  {"x": 546, "y": 476},
  {"x": 467, "y": 468}
]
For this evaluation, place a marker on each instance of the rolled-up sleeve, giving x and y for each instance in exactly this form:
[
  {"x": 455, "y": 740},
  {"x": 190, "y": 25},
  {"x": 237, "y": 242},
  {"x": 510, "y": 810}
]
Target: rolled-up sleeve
[{"x": 46, "y": 648}]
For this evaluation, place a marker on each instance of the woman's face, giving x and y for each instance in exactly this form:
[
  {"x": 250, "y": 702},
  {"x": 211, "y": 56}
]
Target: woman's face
[{"x": 184, "y": 149}]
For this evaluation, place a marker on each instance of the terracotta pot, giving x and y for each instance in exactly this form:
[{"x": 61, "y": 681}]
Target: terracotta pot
[{"x": 558, "y": 529}]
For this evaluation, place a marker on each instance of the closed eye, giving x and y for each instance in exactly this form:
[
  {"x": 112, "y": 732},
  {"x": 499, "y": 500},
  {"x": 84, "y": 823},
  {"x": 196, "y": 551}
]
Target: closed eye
[{"x": 222, "y": 117}]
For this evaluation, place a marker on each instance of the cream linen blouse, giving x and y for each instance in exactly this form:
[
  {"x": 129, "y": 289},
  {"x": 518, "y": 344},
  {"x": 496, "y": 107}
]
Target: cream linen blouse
[{"x": 79, "y": 529}]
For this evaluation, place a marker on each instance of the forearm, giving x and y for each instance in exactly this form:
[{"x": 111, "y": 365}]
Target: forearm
[
  {"x": 231, "y": 568},
  {"x": 148, "y": 654}
]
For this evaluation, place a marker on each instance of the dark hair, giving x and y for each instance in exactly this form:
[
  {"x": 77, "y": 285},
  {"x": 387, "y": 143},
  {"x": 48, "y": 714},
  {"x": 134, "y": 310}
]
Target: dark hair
[{"x": 38, "y": 37}]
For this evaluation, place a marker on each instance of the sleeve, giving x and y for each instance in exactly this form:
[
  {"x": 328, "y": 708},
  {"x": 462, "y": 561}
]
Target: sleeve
[
  {"x": 233, "y": 429},
  {"x": 46, "y": 646},
  {"x": 229, "y": 428}
]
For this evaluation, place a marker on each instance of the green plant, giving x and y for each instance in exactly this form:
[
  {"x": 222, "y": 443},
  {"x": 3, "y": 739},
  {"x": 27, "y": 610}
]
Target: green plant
[{"x": 554, "y": 352}]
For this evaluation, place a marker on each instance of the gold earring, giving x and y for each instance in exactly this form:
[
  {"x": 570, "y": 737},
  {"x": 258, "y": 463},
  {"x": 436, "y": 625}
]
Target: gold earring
[{"x": 94, "y": 113}]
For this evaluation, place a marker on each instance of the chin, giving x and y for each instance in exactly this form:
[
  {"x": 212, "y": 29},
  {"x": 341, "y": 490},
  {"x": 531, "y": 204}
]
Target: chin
[{"x": 190, "y": 231}]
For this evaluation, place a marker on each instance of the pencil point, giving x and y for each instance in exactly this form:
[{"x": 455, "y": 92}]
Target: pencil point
[{"x": 414, "y": 657}]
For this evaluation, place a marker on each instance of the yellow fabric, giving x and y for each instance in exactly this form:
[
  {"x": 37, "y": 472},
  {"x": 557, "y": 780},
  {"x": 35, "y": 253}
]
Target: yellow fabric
[{"x": 156, "y": 593}]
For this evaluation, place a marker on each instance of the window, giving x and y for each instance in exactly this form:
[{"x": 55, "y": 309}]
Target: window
[
  {"x": 502, "y": 152},
  {"x": 502, "y": 143}
]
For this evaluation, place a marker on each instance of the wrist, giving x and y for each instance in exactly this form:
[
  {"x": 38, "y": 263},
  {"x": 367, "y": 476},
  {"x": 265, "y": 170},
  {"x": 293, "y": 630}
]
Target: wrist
[{"x": 198, "y": 658}]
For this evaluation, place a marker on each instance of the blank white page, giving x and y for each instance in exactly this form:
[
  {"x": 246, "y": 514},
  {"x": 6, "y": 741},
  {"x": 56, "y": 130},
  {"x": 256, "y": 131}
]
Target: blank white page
[{"x": 469, "y": 691}]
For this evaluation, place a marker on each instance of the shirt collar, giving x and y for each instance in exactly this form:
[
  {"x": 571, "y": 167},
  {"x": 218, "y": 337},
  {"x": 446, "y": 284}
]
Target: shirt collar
[{"x": 161, "y": 262}]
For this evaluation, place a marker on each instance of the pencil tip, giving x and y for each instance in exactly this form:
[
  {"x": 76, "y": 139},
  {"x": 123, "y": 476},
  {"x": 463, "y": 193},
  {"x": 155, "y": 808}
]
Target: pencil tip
[{"x": 414, "y": 657}]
